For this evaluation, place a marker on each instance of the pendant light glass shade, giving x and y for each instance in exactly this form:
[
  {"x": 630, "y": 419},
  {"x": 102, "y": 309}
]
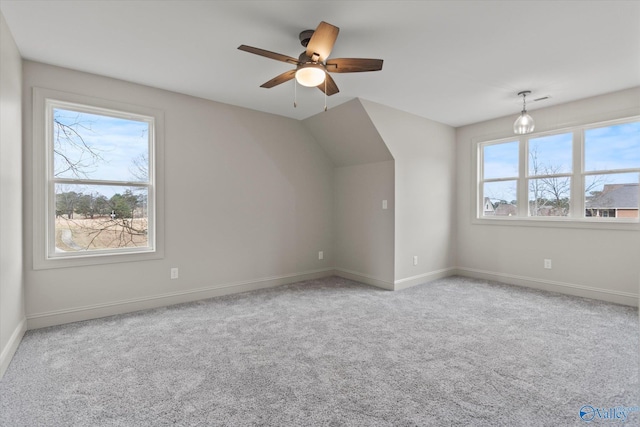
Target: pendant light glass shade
[
  {"x": 524, "y": 123},
  {"x": 310, "y": 75}
]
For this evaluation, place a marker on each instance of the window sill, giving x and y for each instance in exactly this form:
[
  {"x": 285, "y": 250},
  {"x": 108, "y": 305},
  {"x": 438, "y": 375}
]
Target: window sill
[
  {"x": 583, "y": 223},
  {"x": 96, "y": 259}
]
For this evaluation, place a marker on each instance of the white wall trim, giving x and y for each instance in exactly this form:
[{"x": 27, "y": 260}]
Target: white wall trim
[
  {"x": 364, "y": 278},
  {"x": 12, "y": 345},
  {"x": 618, "y": 297},
  {"x": 42, "y": 101},
  {"x": 420, "y": 279},
  {"x": 59, "y": 317}
]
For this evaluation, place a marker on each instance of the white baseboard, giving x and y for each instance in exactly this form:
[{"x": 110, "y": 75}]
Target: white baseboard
[
  {"x": 363, "y": 278},
  {"x": 419, "y": 279},
  {"x": 59, "y": 317},
  {"x": 618, "y": 297},
  {"x": 12, "y": 345}
]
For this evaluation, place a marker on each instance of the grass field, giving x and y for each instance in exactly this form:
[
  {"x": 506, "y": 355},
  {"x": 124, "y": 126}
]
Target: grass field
[{"x": 100, "y": 233}]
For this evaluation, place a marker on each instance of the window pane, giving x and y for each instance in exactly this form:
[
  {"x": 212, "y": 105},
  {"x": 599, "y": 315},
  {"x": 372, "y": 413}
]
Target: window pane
[
  {"x": 612, "y": 147},
  {"x": 549, "y": 196},
  {"x": 92, "y": 146},
  {"x": 500, "y": 160},
  {"x": 500, "y": 198},
  {"x": 94, "y": 217},
  {"x": 612, "y": 195},
  {"x": 551, "y": 155}
]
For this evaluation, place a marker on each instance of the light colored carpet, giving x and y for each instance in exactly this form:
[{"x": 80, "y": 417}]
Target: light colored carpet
[{"x": 455, "y": 351}]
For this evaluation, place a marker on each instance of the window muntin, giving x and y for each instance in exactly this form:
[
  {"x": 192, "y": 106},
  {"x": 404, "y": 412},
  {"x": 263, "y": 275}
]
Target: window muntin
[
  {"x": 561, "y": 166},
  {"x": 100, "y": 197}
]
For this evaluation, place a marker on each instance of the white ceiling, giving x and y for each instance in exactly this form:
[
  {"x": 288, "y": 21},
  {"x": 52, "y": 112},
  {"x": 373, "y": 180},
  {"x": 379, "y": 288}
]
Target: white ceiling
[{"x": 456, "y": 62}]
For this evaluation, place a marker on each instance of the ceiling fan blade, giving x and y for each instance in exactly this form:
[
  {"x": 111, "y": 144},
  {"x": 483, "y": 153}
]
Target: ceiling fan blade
[
  {"x": 269, "y": 54},
  {"x": 332, "y": 87},
  {"x": 284, "y": 77},
  {"x": 353, "y": 65},
  {"x": 322, "y": 40}
]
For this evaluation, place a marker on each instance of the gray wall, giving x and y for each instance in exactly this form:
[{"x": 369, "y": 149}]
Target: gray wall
[
  {"x": 595, "y": 263},
  {"x": 363, "y": 234},
  {"x": 12, "y": 313},
  {"x": 381, "y": 153},
  {"x": 364, "y": 231},
  {"x": 248, "y": 203},
  {"x": 424, "y": 153}
]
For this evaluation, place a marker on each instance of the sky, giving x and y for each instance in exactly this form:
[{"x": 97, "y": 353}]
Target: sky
[
  {"x": 117, "y": 142},
  {"x": 613, "y": 147}
]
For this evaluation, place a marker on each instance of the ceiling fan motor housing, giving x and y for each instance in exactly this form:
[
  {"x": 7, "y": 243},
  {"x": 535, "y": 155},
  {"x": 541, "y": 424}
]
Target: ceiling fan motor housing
[
  {"x": 305, "y": 36},
  {"x": 304, "y": 59}
]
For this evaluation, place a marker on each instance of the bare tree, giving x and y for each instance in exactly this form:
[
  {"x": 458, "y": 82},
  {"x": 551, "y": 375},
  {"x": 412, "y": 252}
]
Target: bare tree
[
  {"x": 551, "y": 192},
  {"x": 72, "y": 152},
  {"x": 139, "y": 168},
  {"x": 557, "y": 189},
  {"x": 536, "y": 187}
]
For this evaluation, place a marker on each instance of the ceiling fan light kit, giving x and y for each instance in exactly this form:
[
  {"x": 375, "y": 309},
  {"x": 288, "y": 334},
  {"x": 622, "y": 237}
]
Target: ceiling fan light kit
[
  {"x": 524, "y": 123},
  {"x": 310, "y": 74},
  {"x": 312, "y": 67}
]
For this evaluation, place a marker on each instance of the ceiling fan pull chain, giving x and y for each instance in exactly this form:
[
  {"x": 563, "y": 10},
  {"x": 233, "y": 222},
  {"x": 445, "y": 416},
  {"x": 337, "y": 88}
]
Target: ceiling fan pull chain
[
  {"x": 295, "y": 93},
  {"x": 325, "y": 94}
]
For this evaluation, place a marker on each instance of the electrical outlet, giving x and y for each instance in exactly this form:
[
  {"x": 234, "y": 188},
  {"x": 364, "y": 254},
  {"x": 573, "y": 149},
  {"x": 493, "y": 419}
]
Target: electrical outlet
[
  {"x": 384, "y": 204},
  {"x": 174, "y": 273},
  {"x": 320, "y": 255},
  {"x": 547, "y": 264},
  {"x": 415, "y": 260}
]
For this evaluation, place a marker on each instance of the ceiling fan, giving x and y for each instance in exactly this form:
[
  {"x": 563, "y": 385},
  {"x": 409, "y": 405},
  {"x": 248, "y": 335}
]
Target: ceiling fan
[{"x": 312, "y": 66}]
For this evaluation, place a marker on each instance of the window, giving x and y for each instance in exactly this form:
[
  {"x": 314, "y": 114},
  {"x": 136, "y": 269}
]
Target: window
[
  {"x": 95, "y": 163},
  {"x": 612, "y": 161},
  {"x": 586, "y": 173},
  {"x": 549, "y": 161},
  {"x": 500, "y": 178}
]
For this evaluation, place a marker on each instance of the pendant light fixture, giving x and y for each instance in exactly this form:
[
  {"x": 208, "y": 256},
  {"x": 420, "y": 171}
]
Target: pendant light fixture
[{"x": 524, "y": 123}]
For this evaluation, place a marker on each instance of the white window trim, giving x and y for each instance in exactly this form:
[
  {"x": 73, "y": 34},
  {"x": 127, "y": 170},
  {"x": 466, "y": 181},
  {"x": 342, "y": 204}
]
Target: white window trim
[
  {"x": 43, "y": 102},
  {"x": 575, "y": 218}
]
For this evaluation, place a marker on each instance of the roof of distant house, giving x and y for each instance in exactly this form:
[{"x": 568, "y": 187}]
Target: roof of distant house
[
  {"x": 615, "y": 196},
  {"x": 506, "y": 209}
]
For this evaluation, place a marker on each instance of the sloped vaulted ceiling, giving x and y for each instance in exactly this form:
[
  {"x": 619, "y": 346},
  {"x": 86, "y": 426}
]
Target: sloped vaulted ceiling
[{"x": 348, "y": 136}]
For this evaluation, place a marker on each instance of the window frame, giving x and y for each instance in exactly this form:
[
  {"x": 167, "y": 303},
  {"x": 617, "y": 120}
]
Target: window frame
[
  {"x": 576, "y": 217},
  {"x": 44, "y": 254}
]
